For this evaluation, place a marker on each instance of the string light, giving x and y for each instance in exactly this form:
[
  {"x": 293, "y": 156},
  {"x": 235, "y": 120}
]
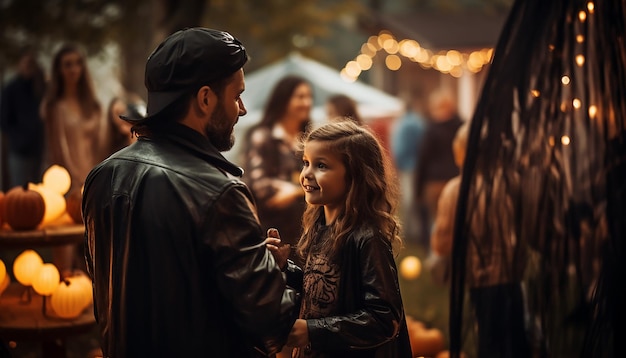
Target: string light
[{"x": 452, "y": 62}]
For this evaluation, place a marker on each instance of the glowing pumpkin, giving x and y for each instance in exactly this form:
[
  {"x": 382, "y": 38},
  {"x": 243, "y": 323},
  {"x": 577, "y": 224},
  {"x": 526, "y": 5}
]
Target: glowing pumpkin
[
  {"x": 84, "y": 281},
  {"x": 57, "y": 179},
  {"x": 70, "y": 299},
  {"x": 46, "y": 279},
  {"x": 54, "y": 203},
  {"x": 5, "y": 283},
  {"x": 3, "y": 271},
  {"x": 424, "y": 341},
  {"x": 26, "y": 266},
  {"x": 446, "y": 354}
]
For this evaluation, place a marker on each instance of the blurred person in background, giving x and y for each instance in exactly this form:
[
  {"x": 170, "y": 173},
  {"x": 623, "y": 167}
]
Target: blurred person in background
[
  {"x": 406, "y": 137},
  {"x": 72, "y": 114},
  {"x": 435, "y": 161},
  {"x": 73, "y": 120},
  {"x": 340, "y": 106},
  {"x": 272, "y": 167},
  {"x": 21, "y": 123},
  {"x": 119, "y": 131},
  {"x": 502, "y": 332}
]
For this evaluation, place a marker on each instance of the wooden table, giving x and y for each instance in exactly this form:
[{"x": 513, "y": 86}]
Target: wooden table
[
  {"x": 45, "y": 237},
  {"x": 25, "y": 320}
]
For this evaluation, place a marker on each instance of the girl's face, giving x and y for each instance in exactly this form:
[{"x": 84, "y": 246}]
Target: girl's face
[
  {"x": 299, "y": 106},
  {"x": 323, "y": 178},
  {"x": 71, "y": 68}
]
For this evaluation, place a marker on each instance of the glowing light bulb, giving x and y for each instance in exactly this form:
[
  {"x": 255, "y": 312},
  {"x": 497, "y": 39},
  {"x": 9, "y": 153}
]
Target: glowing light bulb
[
  {"x": 565, "y": 80},
  {"x": 565, "y": 140},
  {"x": 580, "y": 60}
]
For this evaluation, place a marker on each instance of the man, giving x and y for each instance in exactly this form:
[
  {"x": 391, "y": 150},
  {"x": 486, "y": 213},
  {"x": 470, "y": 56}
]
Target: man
[
  {"x": 20, "y": 121},
  {"x": 173, "y": 245},
  {"x": 435, "y": 161}
]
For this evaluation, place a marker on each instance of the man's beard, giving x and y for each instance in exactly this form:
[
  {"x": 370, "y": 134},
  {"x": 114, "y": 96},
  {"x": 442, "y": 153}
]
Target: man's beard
[{"x": 219, "y": 130}]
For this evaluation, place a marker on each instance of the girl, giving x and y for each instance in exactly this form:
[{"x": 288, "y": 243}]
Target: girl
[{"x": 351, "y": 302}]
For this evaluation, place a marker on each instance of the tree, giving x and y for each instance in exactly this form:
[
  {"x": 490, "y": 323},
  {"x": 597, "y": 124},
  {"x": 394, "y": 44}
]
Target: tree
[{"x": 270, "y": 29}]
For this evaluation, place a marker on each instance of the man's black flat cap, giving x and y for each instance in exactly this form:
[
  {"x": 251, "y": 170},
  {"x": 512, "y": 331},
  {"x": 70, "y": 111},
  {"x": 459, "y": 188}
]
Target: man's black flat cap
[{"x": 191, "y": 57}]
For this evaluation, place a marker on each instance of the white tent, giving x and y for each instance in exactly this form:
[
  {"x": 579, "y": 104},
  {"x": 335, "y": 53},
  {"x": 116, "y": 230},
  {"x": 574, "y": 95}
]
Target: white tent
[{"x": 372, "y": 103}]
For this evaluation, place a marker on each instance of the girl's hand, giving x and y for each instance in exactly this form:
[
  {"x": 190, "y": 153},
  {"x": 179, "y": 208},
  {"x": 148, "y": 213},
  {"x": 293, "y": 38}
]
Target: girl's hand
[
  {"x": 299, "y": 335},
  {"x": 279, "y": 250}
]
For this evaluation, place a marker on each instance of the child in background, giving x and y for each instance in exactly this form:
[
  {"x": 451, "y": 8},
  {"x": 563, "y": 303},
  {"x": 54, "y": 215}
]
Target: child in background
[
  {"x": 351, "y": 301},
  {"x": 340, "y": 106},
  {"x": 120, "y": 135}
]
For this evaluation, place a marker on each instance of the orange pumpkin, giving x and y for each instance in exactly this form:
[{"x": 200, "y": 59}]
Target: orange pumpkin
[
  {"x": 446, "y": 354},
  {"x": 73, "y": 201},
  {"x": 1, "y": 209},
  {"x": 71, "y": 298},
  {"x": 23, "y": 208},
  {"x": 425, "y": 342}
]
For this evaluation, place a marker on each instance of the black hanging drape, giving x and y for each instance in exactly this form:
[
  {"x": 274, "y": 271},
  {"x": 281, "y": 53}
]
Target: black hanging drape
[{"x": 540, "y": 222}]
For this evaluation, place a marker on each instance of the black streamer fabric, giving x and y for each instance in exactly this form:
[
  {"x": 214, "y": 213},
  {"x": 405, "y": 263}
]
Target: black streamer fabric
[{"x": 542, "y": 203}]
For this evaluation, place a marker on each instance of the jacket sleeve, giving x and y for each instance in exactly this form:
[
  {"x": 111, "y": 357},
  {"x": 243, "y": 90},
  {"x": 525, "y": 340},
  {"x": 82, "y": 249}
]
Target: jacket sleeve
[
  {"x": 247, "y": 275},
  {"x": 373, "y": 302}
]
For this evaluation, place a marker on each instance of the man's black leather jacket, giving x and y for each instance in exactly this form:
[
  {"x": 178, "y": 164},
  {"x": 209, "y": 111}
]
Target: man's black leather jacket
[{"x": 177, "y": 256}]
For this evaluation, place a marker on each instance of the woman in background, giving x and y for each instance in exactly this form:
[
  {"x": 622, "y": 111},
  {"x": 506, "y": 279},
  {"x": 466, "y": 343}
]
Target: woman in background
[
  {"x": 272, "y": 167},
  {"x": 72, "y": 115},
  {"x": 73, "y": 120}
]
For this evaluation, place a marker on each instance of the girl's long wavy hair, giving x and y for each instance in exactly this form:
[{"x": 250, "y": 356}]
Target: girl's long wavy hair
[
  {"x": 372, "y": 197},
  {"x": 89, "y": 103}
]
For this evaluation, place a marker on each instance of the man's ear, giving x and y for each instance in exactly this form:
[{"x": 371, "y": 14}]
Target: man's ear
[{"x": 206, "y": 99}]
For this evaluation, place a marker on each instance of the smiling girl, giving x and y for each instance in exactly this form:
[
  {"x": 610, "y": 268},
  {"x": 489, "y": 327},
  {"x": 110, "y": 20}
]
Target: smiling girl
[{"x": 351, "y": 301}]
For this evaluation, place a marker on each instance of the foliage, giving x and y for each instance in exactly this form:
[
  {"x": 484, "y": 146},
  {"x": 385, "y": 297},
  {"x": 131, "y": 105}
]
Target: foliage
[
  {"x": 461, "y": 5},
  {"x": 39, "y": 24},
  {"x": 272, "y": 28}
]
